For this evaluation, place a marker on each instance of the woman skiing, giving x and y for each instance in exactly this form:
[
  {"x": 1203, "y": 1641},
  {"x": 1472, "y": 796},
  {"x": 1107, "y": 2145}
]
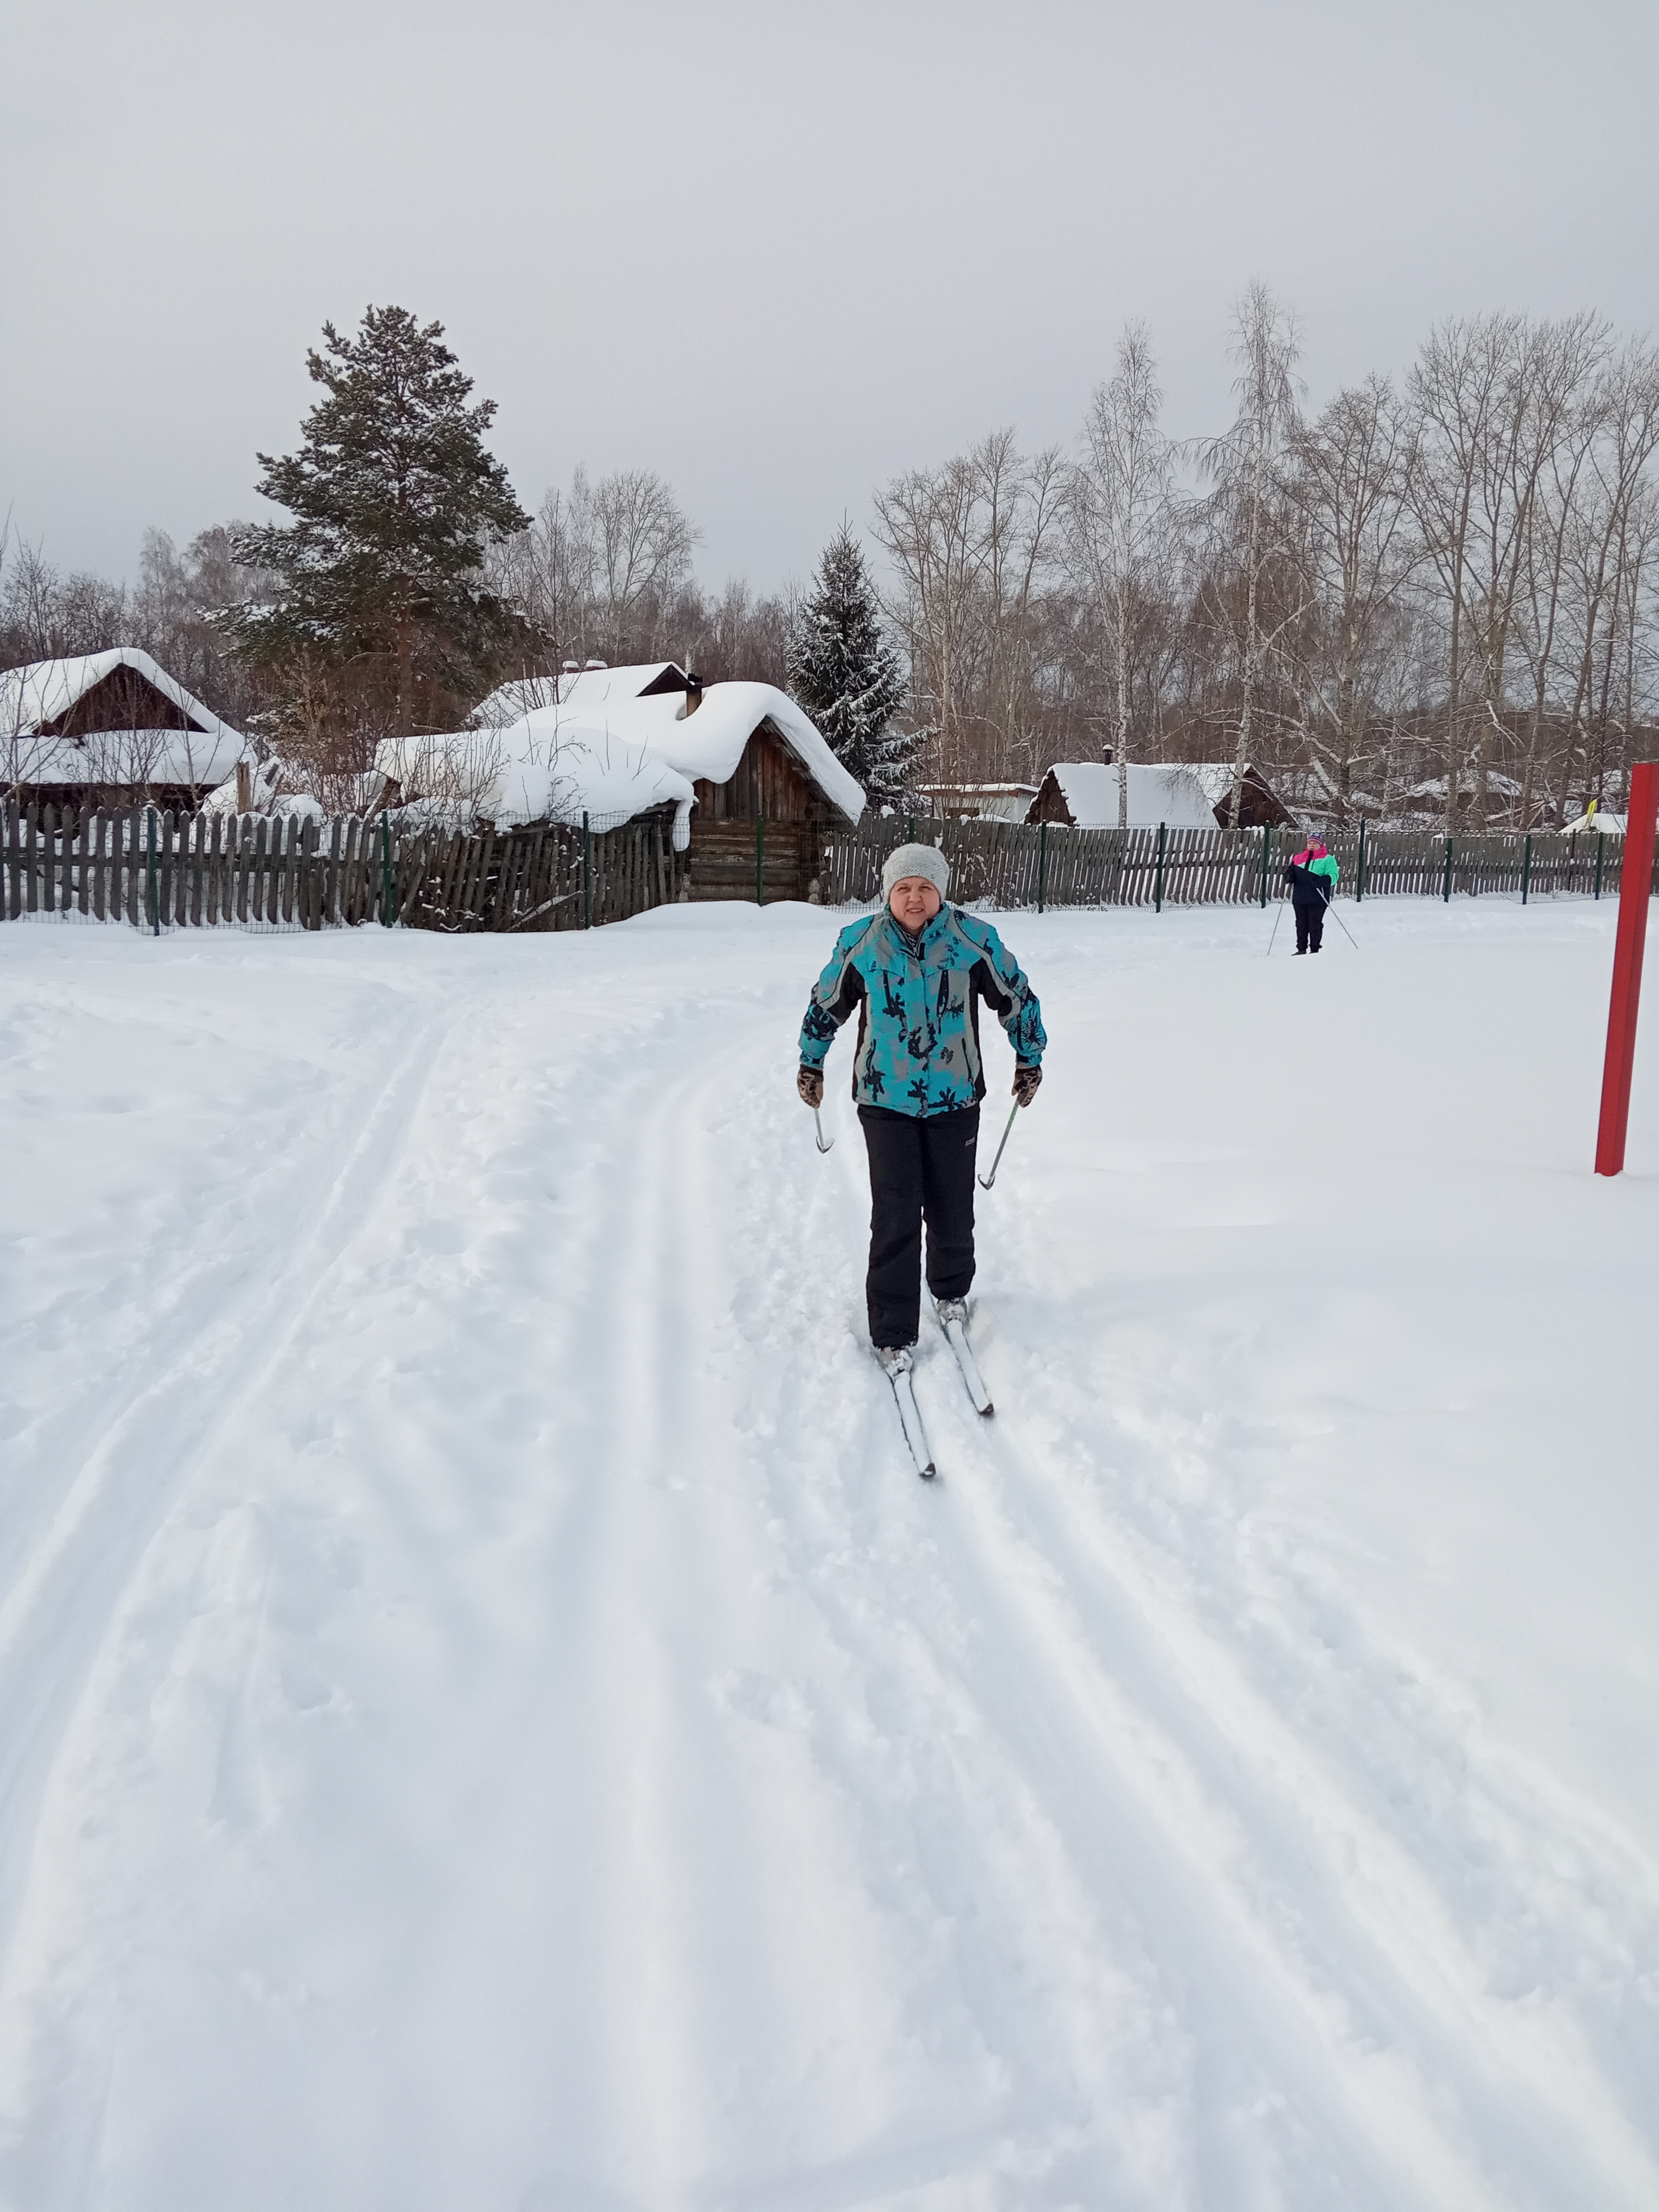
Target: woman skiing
[
  {"x": 916, "y": 970},
  {"x": 1311, "y": 875}
]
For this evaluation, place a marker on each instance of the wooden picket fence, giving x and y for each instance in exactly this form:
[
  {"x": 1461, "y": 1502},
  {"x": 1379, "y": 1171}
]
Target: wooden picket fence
[
  {"x": 143, "y": 866},
  {"x": 1006, "y": 864}
]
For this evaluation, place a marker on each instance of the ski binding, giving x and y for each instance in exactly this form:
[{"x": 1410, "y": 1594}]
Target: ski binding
[{"x": 953, "y": 1320}]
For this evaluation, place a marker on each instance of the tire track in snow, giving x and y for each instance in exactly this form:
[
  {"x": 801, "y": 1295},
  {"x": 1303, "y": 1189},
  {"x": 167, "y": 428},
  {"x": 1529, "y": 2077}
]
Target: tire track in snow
[
  {"x": 55, "y": 1617},
  {"x": 1294, "y": 1878}
]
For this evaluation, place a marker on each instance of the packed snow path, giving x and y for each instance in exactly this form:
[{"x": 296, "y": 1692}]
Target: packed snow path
[{"x": 489, "y": 1718}]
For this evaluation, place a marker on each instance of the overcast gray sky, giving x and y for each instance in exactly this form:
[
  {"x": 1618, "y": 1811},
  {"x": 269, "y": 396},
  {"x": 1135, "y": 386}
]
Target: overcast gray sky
[{"x": 777, "y": 253}]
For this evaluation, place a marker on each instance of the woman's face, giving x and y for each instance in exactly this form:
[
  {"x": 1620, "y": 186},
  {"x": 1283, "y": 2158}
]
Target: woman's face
[{"x": 914, "y": 902}]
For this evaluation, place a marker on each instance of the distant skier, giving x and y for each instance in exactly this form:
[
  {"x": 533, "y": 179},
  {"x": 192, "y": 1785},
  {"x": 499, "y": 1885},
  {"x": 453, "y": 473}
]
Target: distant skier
[
  {"x": 1311, "y": 875},
  {"x": 916, "y": 972}
]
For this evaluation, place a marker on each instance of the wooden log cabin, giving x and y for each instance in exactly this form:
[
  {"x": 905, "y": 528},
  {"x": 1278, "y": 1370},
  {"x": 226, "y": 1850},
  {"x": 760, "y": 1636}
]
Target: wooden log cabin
[
  {"x": 754, "y": 783},
  {"x": 111, "y": 729},
  {"x": 759, "y": 833}
]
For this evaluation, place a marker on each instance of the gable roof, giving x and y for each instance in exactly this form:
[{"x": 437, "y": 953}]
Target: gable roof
[
  {"x": 44, "y": 691},
  {"x": 584, "y": 688},
  {"x": 1181, "y": 794},
  {"x": 1164, "y": 793}
]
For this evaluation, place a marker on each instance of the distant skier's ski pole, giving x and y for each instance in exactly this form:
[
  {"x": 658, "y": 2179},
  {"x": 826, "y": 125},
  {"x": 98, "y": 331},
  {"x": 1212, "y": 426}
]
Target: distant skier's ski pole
[
  {"x": 823, "y": 1142},
  {"x": 1277, "y": 911},
  {"x": 985, "y": 1181},
  {"x": 1344, "y": 928}
]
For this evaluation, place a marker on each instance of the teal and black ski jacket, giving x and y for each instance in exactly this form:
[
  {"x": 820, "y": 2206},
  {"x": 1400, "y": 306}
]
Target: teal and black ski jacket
[{"x": 918, "y": 1007}]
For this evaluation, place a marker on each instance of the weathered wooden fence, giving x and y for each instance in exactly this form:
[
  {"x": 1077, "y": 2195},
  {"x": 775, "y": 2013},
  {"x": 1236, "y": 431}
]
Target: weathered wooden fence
[
  {"x": 142, "y": 866},
  {"x": 1006, "y": 864},
  {"x": 145, "y": 868}
]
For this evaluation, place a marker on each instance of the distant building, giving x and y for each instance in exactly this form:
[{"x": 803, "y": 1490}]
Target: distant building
[
  {"x": 1181, "y": 794},
  {"x": 110, "y": 729},
  {"x": 979, "y": 802},
  {"x": 614, "y": 742}
]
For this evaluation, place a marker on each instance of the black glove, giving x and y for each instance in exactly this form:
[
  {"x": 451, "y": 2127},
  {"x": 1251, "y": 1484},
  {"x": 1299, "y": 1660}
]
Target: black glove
[
  {"x": 1026, "y": 1080},
  {"x": 809, "y": 1081}
]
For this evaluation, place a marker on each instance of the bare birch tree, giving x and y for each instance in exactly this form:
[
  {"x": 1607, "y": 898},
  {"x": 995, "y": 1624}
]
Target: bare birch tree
[
  {"x": 1350, "y": 478},
  {"x": 1118, "y": 517},
  {"x": 1244, "y": 511},
  {"x": 973, "y": 544}
]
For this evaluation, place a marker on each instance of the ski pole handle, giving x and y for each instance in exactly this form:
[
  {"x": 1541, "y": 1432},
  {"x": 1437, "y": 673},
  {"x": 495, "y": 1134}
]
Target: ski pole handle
[{"x": 985, "y": 1181}]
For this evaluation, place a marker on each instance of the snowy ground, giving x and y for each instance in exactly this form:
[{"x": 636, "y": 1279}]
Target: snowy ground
[{"x": 488, "y": 1719}]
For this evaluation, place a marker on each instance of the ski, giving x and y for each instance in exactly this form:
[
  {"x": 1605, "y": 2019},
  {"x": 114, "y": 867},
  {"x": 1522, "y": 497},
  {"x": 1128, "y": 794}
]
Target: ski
[
  {"x": 953, "y": 1320},
  {"x": 895, "y": 1366}
]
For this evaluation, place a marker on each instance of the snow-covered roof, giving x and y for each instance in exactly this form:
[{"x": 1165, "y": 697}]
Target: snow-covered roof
[
  {"x": 603, "y": 748},
  {"x": 45, "y": 691},
  {"x": 1163, "y": 793},
  {"x": 1434, "y": 788},
  {"x": 1608, "y": 823},
  {"x": 596, "y": 686},
  {"x": 978, "y": 790}
]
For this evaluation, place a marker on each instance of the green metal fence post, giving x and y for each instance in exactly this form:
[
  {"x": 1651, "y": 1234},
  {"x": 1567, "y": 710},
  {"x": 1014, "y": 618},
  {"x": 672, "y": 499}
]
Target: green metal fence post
[
  {"x": 388, "y": 893},
  {"x": 587, "y": 874},
  {"x": 1360, "y": 872},
  {"x": 150, "y": 893},
  {"x": 1526, "y": 866},
  {"x": 1446, "y": 889},
  {"x": 1266, "y": 832},
  {"x": 760, "y": 859},
  {"x": 1043, "y": 862},
  {"x": 1600, "y": 848},
  {"x": 1158, "y": 883},
  {"x": 909, "y": 829}
]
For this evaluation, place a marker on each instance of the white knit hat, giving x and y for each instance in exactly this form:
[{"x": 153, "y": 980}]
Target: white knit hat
[{"x": 916, "y": 861}]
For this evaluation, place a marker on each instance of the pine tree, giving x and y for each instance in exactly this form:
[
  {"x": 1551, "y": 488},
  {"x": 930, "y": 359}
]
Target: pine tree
[
  {"x": 394, "y": 500},
  {"x": 846, "y": 676}
]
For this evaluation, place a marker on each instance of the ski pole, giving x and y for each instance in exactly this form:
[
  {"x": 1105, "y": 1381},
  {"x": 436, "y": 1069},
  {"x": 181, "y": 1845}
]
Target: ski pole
[
  {"x": 1344, "y": 928},
  {"x": 1277, "y": 911},
  {"x": 985, "y": 1181},
  {"x": 823, "y": 1142}
]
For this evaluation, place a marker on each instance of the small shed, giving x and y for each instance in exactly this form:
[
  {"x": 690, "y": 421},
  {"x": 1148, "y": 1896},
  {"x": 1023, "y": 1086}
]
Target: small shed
[
  {"x": 1181, "y": 794},
  {"x": 613, "y": 743},
  {"x": 109, "y": 729},
  {"x": 979, "y": 802}
]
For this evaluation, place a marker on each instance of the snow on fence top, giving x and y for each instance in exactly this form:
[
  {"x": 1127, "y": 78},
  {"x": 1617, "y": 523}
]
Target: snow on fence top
[
  {"x": 611, "y": 741},
  {"x": 111, "y": 718}
]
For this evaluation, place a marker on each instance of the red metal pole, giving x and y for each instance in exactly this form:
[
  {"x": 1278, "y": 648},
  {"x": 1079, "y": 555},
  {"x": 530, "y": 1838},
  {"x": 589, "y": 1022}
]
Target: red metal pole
[{"x": 1634, "y": 887}]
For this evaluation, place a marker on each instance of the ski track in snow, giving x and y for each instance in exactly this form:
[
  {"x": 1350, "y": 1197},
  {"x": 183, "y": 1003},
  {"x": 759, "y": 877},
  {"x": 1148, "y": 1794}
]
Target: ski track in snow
[{"x": 492, "y": 1719}]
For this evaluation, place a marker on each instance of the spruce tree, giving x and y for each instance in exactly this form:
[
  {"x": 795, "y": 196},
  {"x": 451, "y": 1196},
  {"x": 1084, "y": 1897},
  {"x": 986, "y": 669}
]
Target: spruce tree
[
  {"x": 846, "y": 674},
  {"x": 394, "y": 500}
]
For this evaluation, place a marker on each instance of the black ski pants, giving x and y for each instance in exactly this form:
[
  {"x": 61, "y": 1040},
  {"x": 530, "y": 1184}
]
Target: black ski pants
[
  {"x": 920, "y": 1170},
  {"x": 1310, "y": 926}
]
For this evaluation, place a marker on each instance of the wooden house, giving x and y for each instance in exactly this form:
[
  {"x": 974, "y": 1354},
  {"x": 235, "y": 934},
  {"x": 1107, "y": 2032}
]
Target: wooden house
[
  {"x": 1181, "y": 794},
  {"x": 108, "y": 730},
  {"x": 750, "y": 783}
]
